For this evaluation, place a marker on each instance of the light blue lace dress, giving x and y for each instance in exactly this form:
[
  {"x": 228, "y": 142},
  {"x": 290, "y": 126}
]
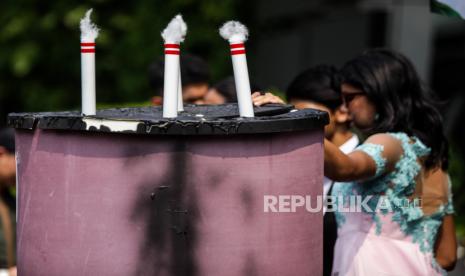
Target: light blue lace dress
[{"x": 389, "y": 234}]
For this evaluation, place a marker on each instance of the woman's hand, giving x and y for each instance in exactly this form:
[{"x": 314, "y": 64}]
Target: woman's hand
[{"x": 259, "y": 99}]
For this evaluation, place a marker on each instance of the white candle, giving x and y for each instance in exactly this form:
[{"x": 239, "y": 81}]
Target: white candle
[
  {"x": 173, "y": 35},
  {"x": 180, "y": 102},
  {"x": 241, "y": 79},
  {"x": 236, "y": 34},
  {"x": 171, "y": 83},
  {"x": 89, "y": 33}
]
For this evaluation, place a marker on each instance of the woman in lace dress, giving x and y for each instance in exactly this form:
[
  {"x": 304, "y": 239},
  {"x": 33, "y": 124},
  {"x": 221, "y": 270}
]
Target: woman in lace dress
[{"x": 405, "y": 226}]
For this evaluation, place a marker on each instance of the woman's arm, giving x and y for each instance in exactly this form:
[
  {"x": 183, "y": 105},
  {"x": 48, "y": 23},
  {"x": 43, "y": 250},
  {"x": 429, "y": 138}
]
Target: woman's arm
[
  {"x": 359, "y": 165},
  {"x": 341, "y": 167},
  {"x": 446, "y": 244}
]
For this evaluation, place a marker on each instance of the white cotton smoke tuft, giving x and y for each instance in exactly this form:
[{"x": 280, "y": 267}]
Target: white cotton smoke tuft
[
  {"x": 234, "y": 31},
  {"x": 175, "y": 31},
  {"x": 89, "y": 30}
]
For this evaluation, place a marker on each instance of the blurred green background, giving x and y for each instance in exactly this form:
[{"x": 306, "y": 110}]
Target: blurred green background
[{"x": 40, "y": 54}]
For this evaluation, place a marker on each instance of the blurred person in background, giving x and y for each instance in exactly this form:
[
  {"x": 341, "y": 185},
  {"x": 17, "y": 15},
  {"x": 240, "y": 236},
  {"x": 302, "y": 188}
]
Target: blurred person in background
[
  {"x": 319, "y": 88},
  {"x": 224, "y": 91},
  {"x": 7, "y": 203},
  {"x": 195, "y": 77}
]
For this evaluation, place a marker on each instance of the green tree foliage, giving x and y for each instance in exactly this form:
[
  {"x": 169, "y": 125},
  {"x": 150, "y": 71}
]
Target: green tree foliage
[{"x": 40, "y": 52}]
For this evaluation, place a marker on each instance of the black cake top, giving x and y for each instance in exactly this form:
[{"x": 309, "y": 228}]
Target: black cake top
[{"x": 194, "y": 120}]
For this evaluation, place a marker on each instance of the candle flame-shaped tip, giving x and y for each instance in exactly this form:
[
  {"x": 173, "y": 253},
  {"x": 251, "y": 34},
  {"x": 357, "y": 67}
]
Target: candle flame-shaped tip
[
  {"x": 234, "y": 30},
  {"x": 89, "y": 31},
  {"x": 176, "y": 30}
]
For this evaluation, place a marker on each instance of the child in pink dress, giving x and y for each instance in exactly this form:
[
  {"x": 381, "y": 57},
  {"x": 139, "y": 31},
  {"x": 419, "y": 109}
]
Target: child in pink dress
[
  {"x": 398, "y": 240},
  {"x": 405, "y": 225}
]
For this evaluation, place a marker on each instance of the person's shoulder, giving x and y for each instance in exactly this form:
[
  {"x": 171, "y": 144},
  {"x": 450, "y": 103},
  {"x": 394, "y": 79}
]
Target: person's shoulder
[
  {"x": 386, "y": 139},
  {"x": 391, "y": 145}
]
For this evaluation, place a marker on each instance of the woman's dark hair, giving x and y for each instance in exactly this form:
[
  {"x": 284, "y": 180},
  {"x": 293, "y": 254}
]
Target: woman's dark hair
[
  {"x": 321, "y": 84},
  {"x": 403, "y": 102}
]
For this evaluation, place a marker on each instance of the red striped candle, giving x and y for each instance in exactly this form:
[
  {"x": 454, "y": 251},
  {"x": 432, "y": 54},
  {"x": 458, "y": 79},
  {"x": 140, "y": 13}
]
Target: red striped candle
[
  {"x": 241, "y": 78},
  {"x": 171, "y": 89},
  {"x": 236, "y": 34},
  {"x": 88, "y": 78},
  {"x": 89, "y": 33}
]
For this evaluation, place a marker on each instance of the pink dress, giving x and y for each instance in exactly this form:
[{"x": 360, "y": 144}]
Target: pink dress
[{"x": 391, "y": 235}]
